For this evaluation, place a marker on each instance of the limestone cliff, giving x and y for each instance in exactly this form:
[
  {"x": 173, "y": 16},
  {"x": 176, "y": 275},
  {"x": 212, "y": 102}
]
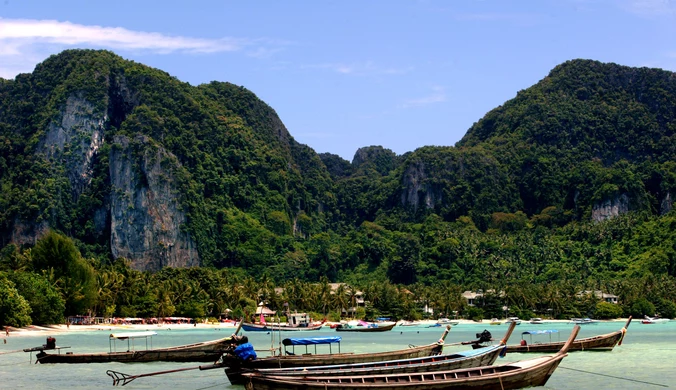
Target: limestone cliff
[
  {"x": 667, "y": 204},
  {"x": 146, "y": 217},
  {"x": 417, "y": 191},
  {"x": 610, "y": 208},
  {"x": 374, "y": 159},
  {"x": 74, "y": 140}
]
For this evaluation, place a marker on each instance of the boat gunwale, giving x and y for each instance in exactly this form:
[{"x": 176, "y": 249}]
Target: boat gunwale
[{"x": 548, "y": 363}]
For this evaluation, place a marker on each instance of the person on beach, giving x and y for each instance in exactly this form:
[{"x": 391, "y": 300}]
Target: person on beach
[{"x": 6, "y": 332}]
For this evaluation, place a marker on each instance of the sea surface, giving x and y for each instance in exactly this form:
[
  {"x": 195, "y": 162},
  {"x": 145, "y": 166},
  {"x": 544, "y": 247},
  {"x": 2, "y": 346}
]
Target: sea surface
[{"x": 645, "y": 360}]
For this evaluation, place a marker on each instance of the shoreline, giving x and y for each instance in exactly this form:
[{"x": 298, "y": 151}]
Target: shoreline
[{"x": 35, "y": 330}]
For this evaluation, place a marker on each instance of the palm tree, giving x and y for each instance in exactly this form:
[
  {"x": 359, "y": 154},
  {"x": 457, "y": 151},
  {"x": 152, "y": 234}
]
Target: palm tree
[
  {"x": 340, "y": 299},
  {"x": 448, "y": 298},
  {"x": 250, "y": 289},
  {"x": 352, "y": 295},
  {"x": 165, "y": 307},
  {"x": 324, "y": 294}
]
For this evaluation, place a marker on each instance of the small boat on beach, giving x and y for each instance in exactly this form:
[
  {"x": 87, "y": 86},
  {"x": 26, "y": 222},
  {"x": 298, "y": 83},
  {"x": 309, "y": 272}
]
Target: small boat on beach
[
  {"x": 372, "y": 327},
  {"x": 495, "y": 321},
  {"x": 654, "y": 320},
  {"x": 252, "y": 327},
  {"x": 517, "y": 375},
  {"x": 446, "y": 321},
  {"x": 410, "y": 323},
  {"x": 208, "y": 351},
  {"x": 297, "y": 322},
  {"x": 288, "y": 359},
  {"x": 582, "y": 321},
  {"x": 516, "y": 320},
  {"x": 536, "y": 321}
]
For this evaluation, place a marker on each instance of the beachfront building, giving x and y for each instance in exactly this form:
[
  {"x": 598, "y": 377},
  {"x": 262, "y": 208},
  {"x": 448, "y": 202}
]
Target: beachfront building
[
  {"x": 600, "y": 295},
  {"x": 472, "y": 297},
  {"x": 264, "y": 311}
]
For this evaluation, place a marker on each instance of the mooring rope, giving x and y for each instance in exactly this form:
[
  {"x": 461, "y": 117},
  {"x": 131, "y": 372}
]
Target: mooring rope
[
  {"x": 616, "y": 377},
  {"x": 12, "y": 364},
  {"x": 6, "y": 352}
]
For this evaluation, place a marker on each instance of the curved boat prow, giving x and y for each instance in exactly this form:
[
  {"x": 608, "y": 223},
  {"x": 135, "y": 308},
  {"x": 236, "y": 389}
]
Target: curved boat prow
[
  {"x": 568, "y": 343},
  {"x": 504, "y": 340},
  {"x": 624, "y": 331},
  {"x": 443, "y": 335}
]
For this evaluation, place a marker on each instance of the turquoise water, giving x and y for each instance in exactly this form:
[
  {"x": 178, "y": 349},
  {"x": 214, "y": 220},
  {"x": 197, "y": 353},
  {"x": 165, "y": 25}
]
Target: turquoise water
[{"x": 647, "y": 354}]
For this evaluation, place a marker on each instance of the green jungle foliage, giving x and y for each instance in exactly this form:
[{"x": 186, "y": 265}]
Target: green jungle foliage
[{"x": 508, "y": 210}]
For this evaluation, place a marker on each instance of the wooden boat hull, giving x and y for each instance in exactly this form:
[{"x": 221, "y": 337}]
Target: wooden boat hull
[
  {"x": 597, "y": 343},
  {"x": 605, "y": 342},
  {"x": 533, "y": 372},
  {"x": 467, "y": 359},
  {"x": 209, "y": 351},
  {"x": 249, "y": 327},
  {"x": 235, "y": 367},
  {"x": 660, "y": 321},
  {"x": 366, "y": 328}
]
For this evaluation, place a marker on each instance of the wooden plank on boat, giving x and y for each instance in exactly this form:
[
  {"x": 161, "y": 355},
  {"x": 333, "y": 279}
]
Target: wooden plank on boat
[{"x": 532, "y": 372}]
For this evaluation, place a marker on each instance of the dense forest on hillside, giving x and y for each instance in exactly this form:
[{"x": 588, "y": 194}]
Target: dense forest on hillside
[{"x": 565, "y": 188}]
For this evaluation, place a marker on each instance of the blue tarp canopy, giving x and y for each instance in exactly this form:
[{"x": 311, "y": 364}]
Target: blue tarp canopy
[
  {"x": 312, "y": 341},
  {"x": 383, "y": 319},
  {"x": 540, "y": 331}
]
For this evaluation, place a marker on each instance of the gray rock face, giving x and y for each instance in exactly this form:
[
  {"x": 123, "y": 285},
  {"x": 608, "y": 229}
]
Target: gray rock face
[
  {"x": 74, "y": 140},
  {"x": 145, "y": 213},
  {"x": 610, "y": 208},
  {"x": 27, "y": 233},
  {"x": 142, "y": 209},
  {"x": 417, "y": 192},
  {"x": 667, "y": 204}
]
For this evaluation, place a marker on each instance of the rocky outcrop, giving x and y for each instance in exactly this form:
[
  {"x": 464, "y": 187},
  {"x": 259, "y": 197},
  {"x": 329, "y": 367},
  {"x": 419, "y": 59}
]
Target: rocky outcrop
[
  {"x": 146, "y": 217},
  {"x": 417, "y": 192},
  {"x": 338, "y": 167},
  {"x": 375, "y": 158},
  {"x": 667, "y": 204},
  {"x": 74, "y": 140},
  {"x": 610, "y": 208},
  {"x": 28, "y": 233}
]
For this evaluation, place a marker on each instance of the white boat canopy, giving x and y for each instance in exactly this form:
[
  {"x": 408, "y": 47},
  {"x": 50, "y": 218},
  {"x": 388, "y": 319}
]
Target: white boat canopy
[{"x": 131, "y": 335}]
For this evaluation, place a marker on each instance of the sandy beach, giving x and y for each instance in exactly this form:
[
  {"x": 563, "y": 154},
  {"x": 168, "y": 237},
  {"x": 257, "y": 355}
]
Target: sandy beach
[{"x": 35, "y": 330}]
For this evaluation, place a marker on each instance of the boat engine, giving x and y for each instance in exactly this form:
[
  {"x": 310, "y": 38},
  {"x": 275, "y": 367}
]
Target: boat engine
[
  {"x": 484, "y": 336},
  {"x": 51, "y": 343}
]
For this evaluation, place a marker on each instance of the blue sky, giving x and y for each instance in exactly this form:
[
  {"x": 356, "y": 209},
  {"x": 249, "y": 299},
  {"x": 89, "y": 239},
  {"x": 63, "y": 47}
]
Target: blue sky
[{"x": 346, "y": 74}]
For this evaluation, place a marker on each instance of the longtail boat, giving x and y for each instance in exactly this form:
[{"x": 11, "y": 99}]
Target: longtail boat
[
  {"x": 517, "y": 375},
  {"x": 208, "y": 351},
  {"x": 251, "y": 327},
  {"x": 605, "y": 342},
  {"x": 297, "y": 322},
  {"x": 368, "y": 328},
  {"x": 235, "y": 366},
  {"x": 454, "y": 361}
]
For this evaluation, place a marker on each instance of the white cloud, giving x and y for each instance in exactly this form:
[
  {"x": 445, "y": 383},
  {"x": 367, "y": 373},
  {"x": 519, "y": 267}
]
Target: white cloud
[
  {"x": 438, "y": 95},
  {"x": 24, "y": 42},
  {"x": 361, "y": 69}
]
